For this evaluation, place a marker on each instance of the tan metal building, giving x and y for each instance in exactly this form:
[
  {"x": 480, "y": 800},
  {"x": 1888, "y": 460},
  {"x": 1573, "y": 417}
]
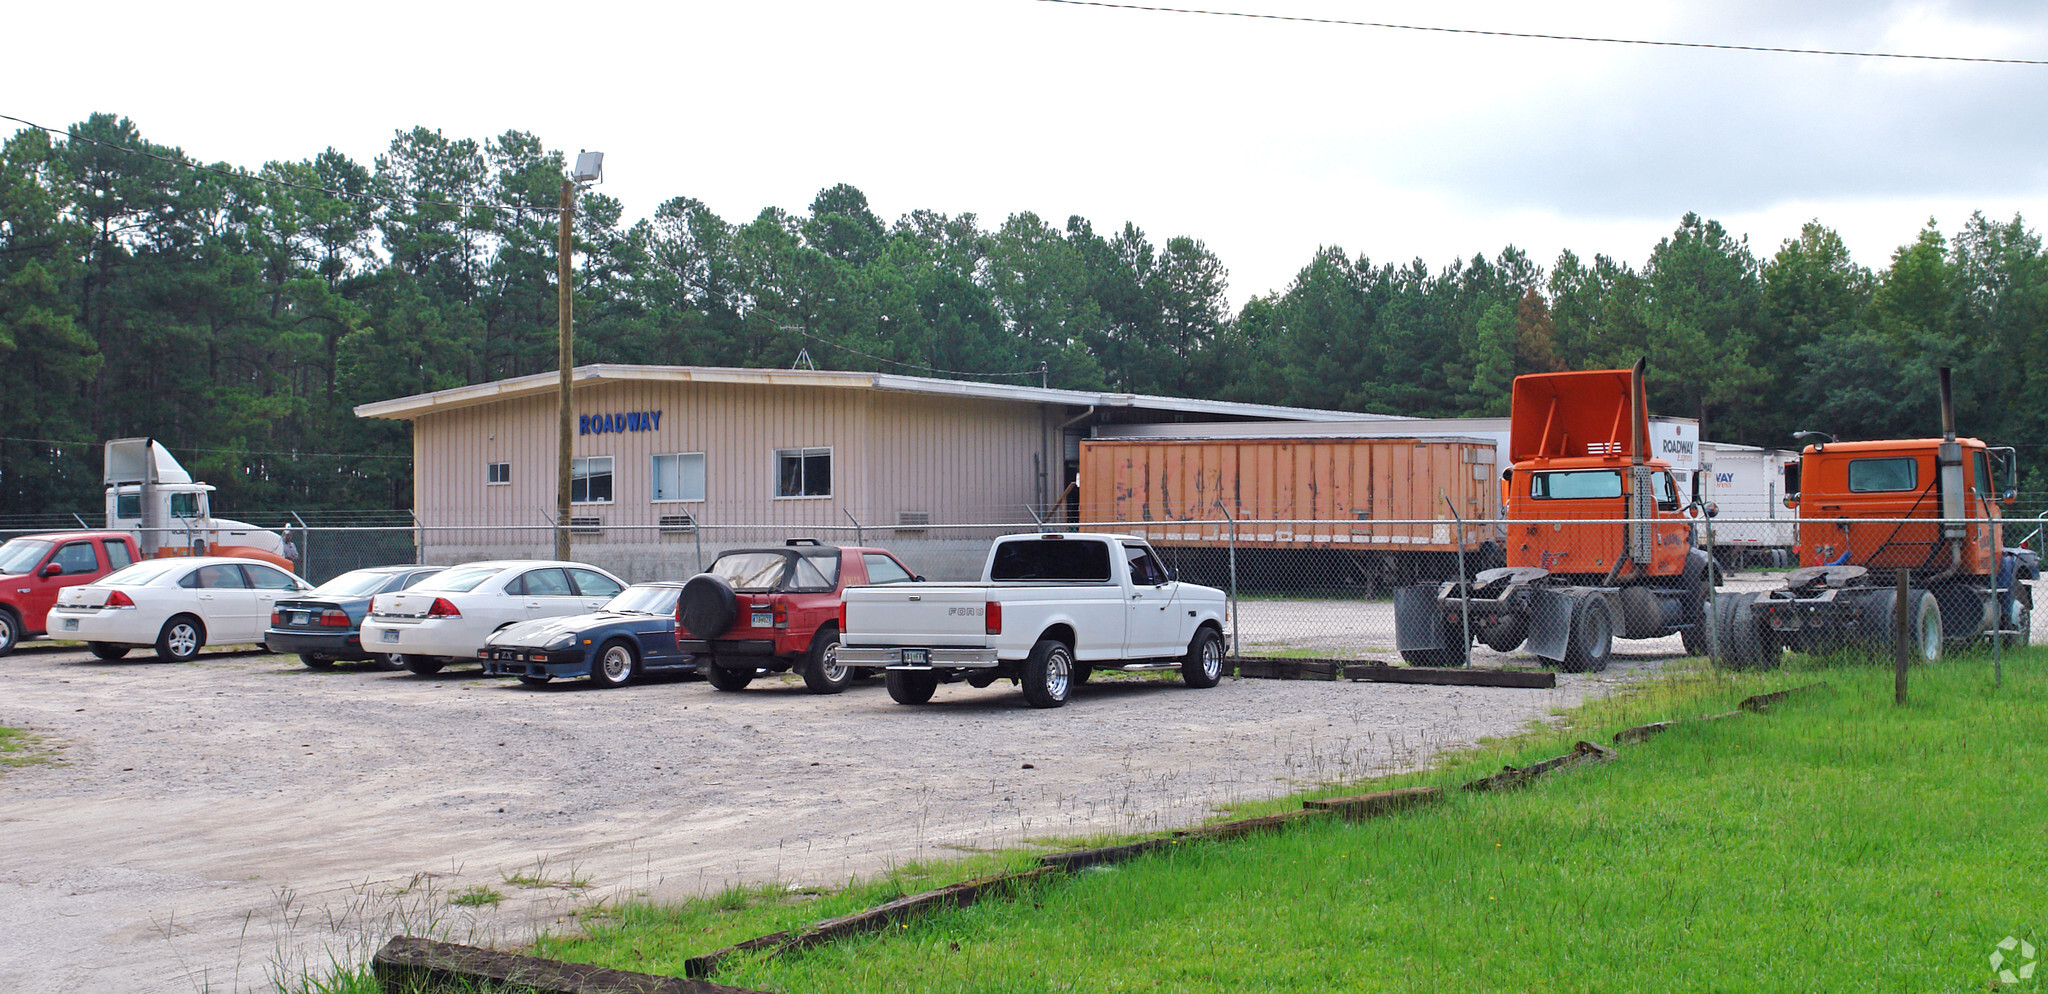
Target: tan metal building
[{"x": 677, "y": 461}]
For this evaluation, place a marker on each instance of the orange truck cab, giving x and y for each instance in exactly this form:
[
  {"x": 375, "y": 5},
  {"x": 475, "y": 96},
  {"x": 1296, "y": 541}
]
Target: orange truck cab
[
  {"x": 1599, "y": 545},
  {"x": 1929, "y": 506}
]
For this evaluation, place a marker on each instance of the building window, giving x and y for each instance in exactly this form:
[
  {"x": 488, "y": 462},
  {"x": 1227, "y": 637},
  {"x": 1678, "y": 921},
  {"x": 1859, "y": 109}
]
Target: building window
[
  {"x": 679, "y": 476},
  {"x": 590, "y": 480},
  {"x": 803, "y": 472},
  {"x": 497, "y": 473}
]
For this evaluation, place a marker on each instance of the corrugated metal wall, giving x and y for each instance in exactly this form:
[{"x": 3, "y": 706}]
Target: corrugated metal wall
[
  {"x": 956, "y": 460},
  {"x": 1361, "y": 482}
]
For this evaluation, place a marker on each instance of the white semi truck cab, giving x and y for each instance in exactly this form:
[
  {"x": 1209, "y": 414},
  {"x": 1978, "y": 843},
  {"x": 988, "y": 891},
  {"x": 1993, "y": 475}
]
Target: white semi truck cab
[{"x": 149, "y": 495}]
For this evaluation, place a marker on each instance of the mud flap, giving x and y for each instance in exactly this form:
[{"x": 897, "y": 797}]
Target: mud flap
[
  {"x": 1550, "y": 621},
  {"x": 1417, "y": 619}
]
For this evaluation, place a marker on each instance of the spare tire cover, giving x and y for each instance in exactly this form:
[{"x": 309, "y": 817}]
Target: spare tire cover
[{"x": 707, "y": 605}]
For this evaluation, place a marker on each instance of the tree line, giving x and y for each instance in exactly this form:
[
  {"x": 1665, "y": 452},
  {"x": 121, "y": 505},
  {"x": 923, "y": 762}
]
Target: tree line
[{"x": 239, "y": 316}]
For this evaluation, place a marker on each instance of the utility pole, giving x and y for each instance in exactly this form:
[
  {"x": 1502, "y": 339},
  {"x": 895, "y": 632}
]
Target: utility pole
[
  {"x": 567, "y": 343},
  {"x": 589, "y": 169}
]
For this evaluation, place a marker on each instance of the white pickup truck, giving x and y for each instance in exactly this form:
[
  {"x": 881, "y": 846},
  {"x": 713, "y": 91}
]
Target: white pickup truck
[{"x": 1049, "y": 610}]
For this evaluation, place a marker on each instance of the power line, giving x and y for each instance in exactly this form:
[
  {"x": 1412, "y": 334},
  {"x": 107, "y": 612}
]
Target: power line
[
  {"x": 74, "y": 443},
  {"x": 898, "y": 362},
  {"x": 238, "y": 173},
  {"x": 1550, "y": 37}
]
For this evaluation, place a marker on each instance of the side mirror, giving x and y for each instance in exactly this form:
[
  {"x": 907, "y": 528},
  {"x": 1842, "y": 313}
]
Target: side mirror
[
  {"x": 53, "y": 569},
  {"x": 1713, "y": 510},
  {"x": 2008, "y": 495},
  {"x": 1173, "y": 576}
]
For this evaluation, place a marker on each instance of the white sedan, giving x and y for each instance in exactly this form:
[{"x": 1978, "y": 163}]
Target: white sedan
[
  {"x": 448, "y": 616},
  {"x": 177, "y": 604}
]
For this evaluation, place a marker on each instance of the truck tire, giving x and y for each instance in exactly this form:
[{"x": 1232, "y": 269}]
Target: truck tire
[
  {"x": 707, "y": 607},
  {"x": 727, "y": 678},
  {"x": 2020, "y": 618},
  {"x": 1743, "y": 643},
  {"x": 615, "y": 665},
  {"x": 423, "y": 665},
  {"x": 823, "y": 672},
  {"x": 181, "y": 639},
  {"x": 106, "y": 650},
  {"x": 1048, "y": 674},
  {"x": 10, "y": 631},
  {"x": 1202, "y": 667},
  {"x": 1923, "y": 627},
  {"x": 1591, "y": 644},
  {"x": 1451, "y": 655},
  {"x": 910, "y": 686}
]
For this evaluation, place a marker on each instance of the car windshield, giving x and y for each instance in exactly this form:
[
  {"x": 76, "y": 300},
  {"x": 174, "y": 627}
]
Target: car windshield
[
  {"x": 20, "y": 555},
  {"x": 752, "y": 570},
  {"x": 142, "y": 572},
  {"x": 355, "y": 583},
  {"x": 459, "y": 579},
  {"x": 645, "y": 599}
]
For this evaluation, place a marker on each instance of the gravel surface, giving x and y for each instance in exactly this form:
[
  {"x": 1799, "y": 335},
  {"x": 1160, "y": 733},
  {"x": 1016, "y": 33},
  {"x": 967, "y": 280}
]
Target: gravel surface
[{"x": 208, "y": 825}]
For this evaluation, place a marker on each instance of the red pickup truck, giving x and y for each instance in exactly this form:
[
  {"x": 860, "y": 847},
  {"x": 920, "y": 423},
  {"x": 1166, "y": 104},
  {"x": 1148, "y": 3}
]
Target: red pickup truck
[
  {"x": 33, "y": 568},
  {"x": 777, "y": 609}
]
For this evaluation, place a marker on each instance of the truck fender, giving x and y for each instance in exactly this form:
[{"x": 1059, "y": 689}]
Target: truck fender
[
  {"x": 1550, "y": 621},
  {"x": 1417, "y": 618}
]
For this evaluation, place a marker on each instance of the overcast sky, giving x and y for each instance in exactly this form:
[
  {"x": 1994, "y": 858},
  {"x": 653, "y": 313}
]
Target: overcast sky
[{"x": 1265, "y": 139}]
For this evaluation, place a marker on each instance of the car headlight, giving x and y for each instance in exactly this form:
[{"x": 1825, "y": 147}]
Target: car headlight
[{"x": 562, "y": 641}]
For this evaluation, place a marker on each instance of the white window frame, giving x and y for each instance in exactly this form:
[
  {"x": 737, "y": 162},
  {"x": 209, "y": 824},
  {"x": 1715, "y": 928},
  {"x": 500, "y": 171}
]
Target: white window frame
[
  {"x": 490, "y": 470},
  {"x": 654, "y": 477},
  {"x": 801, "y": 453},
  {"x": 610, "y": 470}
]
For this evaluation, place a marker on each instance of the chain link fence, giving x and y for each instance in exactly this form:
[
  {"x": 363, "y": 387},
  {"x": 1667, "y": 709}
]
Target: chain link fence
[{"x": 1333, "y": 589}]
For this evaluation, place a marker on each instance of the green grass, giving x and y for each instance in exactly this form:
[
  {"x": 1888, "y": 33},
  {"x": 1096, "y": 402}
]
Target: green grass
[
  {"x": 20, "y": 747},
  {"x": 1838, "y": 843},
  {"x": 476, "y": 897}
]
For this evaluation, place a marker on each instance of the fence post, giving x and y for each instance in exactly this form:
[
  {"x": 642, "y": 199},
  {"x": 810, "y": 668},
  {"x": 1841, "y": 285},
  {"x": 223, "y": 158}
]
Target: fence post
[
  {"x": 697, "y": 533},
  {"x": 860, "y": 534},
  {"x": 1710, "y": 611},
  {"x": 1234, "y": 621},
  {"x": 1997, "y": 558},
  {"x": 1899, "y": 625},
  {"x": 1464, "y": 582}
]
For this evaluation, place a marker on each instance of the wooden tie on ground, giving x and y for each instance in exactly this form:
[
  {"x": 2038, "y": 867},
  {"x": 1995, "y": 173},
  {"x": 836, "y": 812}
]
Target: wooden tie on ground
[
  {"x": 409, "y": 963},
  {"x": 1752, "y": 705},
  {"x": 1357, "y": 808},
  {"x": 1374, "y": 671},
  {"x": 1511, "y": 777}
]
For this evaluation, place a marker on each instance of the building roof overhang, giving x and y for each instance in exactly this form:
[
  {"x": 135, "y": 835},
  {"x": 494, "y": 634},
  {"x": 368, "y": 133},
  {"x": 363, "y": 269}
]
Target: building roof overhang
[{"x": 543, "y": 384}]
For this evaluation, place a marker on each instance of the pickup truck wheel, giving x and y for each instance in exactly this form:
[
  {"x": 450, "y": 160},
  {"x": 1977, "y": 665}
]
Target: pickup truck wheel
[
  {"x": 823, "y": 672},
  {"x": 423, "y": 665},
  {"x": 1048, "y": 674},
  {"x": 1591, "y": 643},
  {"x": 910, "y": 687},
  {"x": 615, "y": 665},
  {"x": 726, "y": 678},
  {"x": 10, "y": 631},
  {"x": 1202, "y": 667},
  {"x": 314, "y": 662},
  {"x": 106, "y": 650},
  {"x": 180, "y": 639}
]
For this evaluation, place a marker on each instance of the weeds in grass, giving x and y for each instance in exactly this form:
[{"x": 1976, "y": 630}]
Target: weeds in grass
[
  {"x": 475, "y": 896},
  {"x": 539, "y": 878}
]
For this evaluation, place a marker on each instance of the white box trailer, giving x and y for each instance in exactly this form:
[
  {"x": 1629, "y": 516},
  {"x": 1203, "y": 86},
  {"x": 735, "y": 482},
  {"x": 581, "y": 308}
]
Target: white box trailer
[{"x": 1746, "y": 484}]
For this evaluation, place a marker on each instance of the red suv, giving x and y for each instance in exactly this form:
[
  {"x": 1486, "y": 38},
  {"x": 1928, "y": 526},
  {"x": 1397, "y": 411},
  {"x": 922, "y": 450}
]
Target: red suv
[{"x": 777, "y": 609}]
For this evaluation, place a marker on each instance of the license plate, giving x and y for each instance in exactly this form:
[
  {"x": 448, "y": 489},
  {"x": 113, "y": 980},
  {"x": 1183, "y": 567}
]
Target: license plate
[
  {"x": 763, "y": 619},
  {"x": 71, "y": 624},
  {"x": 390, "y": 634},
  {"x": 917, "y": 657},
  {"x": 299, "y": 617}
]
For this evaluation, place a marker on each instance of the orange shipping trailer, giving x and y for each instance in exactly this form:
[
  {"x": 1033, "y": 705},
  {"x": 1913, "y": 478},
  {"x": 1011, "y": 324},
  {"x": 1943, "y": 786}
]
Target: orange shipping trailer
[{"x": 1386, "y": 494}]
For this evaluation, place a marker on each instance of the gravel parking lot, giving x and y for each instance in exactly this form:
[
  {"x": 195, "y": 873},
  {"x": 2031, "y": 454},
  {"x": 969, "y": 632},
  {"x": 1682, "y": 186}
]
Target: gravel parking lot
[{"x": 205, "y": 825}]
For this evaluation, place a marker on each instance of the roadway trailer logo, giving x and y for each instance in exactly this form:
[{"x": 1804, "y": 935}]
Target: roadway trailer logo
[{"x": 2004, "y": 964}]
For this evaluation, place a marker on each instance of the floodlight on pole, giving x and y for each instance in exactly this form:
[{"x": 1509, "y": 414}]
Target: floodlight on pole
[{"x": 589, "y": 168}]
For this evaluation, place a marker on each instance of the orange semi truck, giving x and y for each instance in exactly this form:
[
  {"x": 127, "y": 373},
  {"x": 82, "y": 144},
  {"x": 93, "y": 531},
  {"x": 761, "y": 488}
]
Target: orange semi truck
[
  {"x": 1930, "y": 506},
  {"x": 1598, "y": 543}
]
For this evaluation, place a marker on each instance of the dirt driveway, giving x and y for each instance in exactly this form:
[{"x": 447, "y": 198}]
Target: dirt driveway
[{"x": 209, "y": 824}]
